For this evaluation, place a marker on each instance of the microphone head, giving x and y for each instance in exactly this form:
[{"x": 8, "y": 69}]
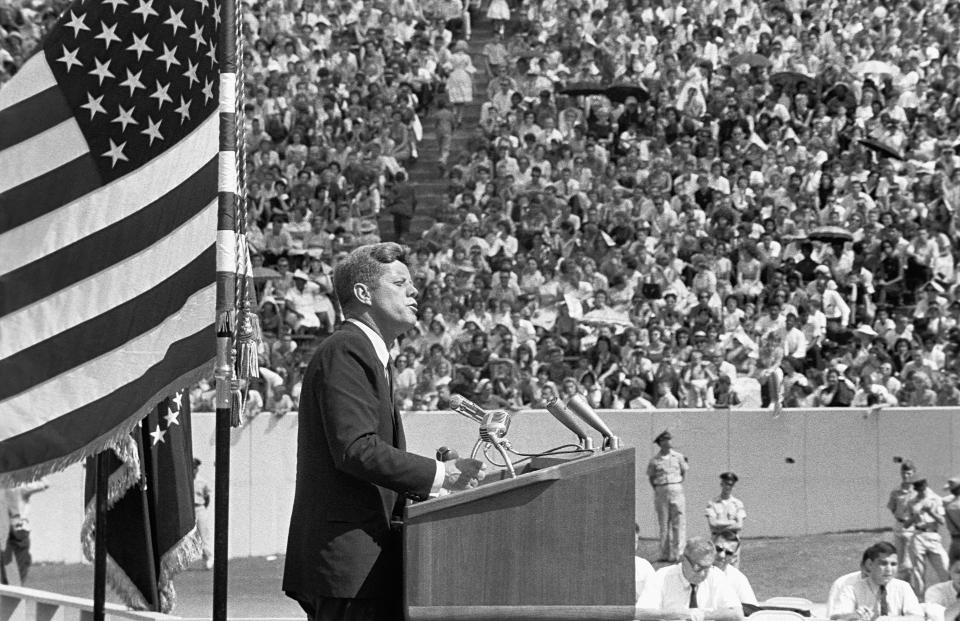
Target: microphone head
[
  {"x": 456, "y": 401},
  {"x": 579, "y": 406}
]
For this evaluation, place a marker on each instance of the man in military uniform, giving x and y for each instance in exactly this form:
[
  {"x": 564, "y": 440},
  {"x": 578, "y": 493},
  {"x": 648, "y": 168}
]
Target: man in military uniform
[
  {"x": 666, "y": 471},
  {"x": 725, "y": 513},
  {"x": 926, "y": 516},
  {"x": 899, "y": 506},
  {"x": 201, "y": 507},
  {"x": 951, "y": 509}
]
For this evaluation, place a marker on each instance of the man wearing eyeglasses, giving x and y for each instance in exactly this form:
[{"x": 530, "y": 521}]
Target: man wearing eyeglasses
[
  {"x": 727, "y": 546},
  {"x": 692, "y": 589}
]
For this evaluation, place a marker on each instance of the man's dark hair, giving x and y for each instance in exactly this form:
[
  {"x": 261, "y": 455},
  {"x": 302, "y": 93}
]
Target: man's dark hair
[
  {"x": 364, "y": 265},
  {"x": 881, "y": 549}
]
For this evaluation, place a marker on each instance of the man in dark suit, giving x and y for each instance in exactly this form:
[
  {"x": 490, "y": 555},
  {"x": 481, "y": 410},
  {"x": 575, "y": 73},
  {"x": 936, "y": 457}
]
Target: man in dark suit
[{"x": 353, "y": 475}]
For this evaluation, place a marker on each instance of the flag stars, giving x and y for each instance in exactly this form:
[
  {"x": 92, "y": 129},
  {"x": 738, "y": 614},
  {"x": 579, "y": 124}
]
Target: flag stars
[
  {"x": 160, "y": 94},
  {"x": 102, "y": 70},
  {"x": 115, "y": 153},
  {"x": 115, "y": 3},
  {"x": 212, "y": 54},
  {"x": 153, "y": 132},
  {"x": 94, "y": 105},
  {"x": 191, "y": 74},
  {"x": 175, "y": 20},
  {"x": 133, "y": 81},
  {"x": 145, "y": 10},
  {"x": 125, "y": 117},
  {"x": 108, "y": 34},
  {"x": 207, "y": 90},
  {"x": 172, "y": 417},
  {"x": 204, "y": 6},
  {"x": 76, "y": 22},
  {"x": 197, "y": 36},
  {"x": 69, "y": 58},
  {"x": 139, "y": 45},
  {"x": 216, "y": 14},
  {"x": 183, "y": 110},
  {"x": 157, "y": 434},
  {"x": 169, "y": 57}
]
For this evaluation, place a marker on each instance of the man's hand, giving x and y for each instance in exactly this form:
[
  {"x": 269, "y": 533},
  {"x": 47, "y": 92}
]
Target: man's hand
[
  {"x": 695, "y": 614},
  {"x": 463, "y": 474}
]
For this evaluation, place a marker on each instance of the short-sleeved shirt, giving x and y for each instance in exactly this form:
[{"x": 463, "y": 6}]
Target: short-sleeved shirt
[
  {"x": 741, "y": 585},
  {"x": 668, "y": 589},
  {"x": 725, "y": 510},
  {"x": 942, "y": 593},
  {"x": 927, "y": 511},
  {"x": 952, "y": 513},
  {"x": 667, "y": 469},
  {"x": 899, "y": 503},
  {"x": 643, "y": 571},
  {"x": 901, "y": 600}
]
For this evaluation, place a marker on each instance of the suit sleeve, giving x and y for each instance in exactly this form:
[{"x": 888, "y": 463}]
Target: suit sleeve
[{"x": 352, "y": 417}]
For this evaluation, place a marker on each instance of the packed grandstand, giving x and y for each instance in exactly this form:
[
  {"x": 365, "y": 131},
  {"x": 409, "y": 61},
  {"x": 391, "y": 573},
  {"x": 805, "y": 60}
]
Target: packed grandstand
[{"x": 653, "y": 203}]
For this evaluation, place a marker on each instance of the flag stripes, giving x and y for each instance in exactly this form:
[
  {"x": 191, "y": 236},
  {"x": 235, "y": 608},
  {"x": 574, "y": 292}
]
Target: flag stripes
[
  {"x": 71, "y": 348},
  {"x": 101, "y": 249}
]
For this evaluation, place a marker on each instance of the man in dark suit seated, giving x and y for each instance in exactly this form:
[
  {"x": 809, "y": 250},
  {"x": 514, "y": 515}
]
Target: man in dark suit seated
[{"x": 353, "y": 472}]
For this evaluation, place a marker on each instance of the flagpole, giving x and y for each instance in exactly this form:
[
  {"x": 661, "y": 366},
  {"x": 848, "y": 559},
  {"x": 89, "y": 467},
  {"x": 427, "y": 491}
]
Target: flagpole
[
  {"x": 231, "y": 250},
  {"x": 100, "y": 535},
  {"x": 149, "y": 504}
]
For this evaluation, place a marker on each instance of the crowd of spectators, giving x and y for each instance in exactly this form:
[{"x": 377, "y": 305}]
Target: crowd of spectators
[{"x": 761, "y": 212}]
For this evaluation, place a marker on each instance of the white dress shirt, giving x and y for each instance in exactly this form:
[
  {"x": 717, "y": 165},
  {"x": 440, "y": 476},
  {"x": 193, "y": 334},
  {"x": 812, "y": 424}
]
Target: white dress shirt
[
  {"x": 740, "y": 584},
  {"x": 901, "y": 599},
  {"x": 668, "y": 589}
]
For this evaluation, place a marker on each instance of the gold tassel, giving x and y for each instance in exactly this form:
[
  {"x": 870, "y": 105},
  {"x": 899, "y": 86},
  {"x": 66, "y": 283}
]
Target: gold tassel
[{"x": 248, "y": 341}]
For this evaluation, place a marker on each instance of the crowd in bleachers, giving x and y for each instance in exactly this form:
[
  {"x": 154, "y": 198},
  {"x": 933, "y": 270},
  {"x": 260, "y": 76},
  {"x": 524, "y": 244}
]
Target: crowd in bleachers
[{"x": 665, "y": 203}]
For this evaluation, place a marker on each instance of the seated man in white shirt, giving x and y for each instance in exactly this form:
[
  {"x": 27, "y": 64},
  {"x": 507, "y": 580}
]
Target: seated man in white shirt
[
  {"x": 692, "y": 589},
  {"x": 878, "y": 594},
  {"x": 833, "y": 597},
  {"x": 727, "y": 544},
  {"x": 643, "y": 569},
  {"x": 942, "y": 600}
]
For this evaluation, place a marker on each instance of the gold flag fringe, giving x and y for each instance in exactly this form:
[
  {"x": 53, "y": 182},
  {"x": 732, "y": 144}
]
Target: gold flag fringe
[
  {"x": 172, "y": 562},
  {"x": 109, "y": 440}
]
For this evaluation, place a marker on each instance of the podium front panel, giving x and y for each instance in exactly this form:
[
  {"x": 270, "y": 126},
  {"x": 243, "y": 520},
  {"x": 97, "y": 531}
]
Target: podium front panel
[{"x": 558, "y": 537}]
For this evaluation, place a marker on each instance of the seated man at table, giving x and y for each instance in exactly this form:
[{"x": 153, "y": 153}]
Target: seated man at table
[
  {"x": 726, "y": 545},
  {"x": 878, "y": 593},
  {"x": 942, "y": 601},
  {"x": 692, "y": 589},
  {"x": 833, "y": 597}
]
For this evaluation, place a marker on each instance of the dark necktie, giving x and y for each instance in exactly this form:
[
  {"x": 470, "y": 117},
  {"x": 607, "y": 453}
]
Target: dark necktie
[
  {"x": 693, "y": 597},
  {"x": 884, "y": 607}
]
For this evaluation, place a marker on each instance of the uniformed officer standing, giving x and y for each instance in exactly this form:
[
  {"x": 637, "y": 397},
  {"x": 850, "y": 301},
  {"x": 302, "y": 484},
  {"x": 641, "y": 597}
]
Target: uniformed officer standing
[
  {"x": 725, "y": 513},
  {"x": 666, "y": 471},
  {"x": 899, "y": 505}
]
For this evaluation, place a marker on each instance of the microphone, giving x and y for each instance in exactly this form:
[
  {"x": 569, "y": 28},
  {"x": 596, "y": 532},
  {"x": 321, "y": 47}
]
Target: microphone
[
  {"x": 495, "y": 425},
  {"x": 562, "y": 414},
  {"x": 465, "y": 407},
  {"x": 447, "y": 454},
  {"x": 579, "y": 406}
]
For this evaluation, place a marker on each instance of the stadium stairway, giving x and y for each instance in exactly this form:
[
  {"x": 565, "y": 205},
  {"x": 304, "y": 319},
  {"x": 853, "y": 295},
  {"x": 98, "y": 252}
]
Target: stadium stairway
[{"x": 426, "y": 174}]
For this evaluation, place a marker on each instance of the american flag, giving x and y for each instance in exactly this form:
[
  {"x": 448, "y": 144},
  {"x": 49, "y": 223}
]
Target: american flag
[{"x": 108, "y": 219}]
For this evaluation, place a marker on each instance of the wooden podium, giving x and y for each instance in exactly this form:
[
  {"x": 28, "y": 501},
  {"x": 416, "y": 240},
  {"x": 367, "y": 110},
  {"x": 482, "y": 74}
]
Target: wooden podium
[{"x": 555, "y": 543}]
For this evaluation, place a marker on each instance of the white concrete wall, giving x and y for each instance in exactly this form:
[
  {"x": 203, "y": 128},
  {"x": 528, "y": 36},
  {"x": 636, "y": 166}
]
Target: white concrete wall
[{"x": 843, "y": 467}]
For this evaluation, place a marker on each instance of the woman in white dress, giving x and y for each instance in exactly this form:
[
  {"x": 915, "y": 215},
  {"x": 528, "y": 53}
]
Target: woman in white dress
[
  {"x": 499, "y": 13},
  {"x": 460, "y": 82}
]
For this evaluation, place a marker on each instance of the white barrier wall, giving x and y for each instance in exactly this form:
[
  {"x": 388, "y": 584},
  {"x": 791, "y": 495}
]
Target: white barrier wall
[{"x": 803, "y": 472}]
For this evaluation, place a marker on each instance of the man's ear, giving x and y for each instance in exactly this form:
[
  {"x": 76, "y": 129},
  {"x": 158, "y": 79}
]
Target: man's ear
[{"x": 362, "y": 293}]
